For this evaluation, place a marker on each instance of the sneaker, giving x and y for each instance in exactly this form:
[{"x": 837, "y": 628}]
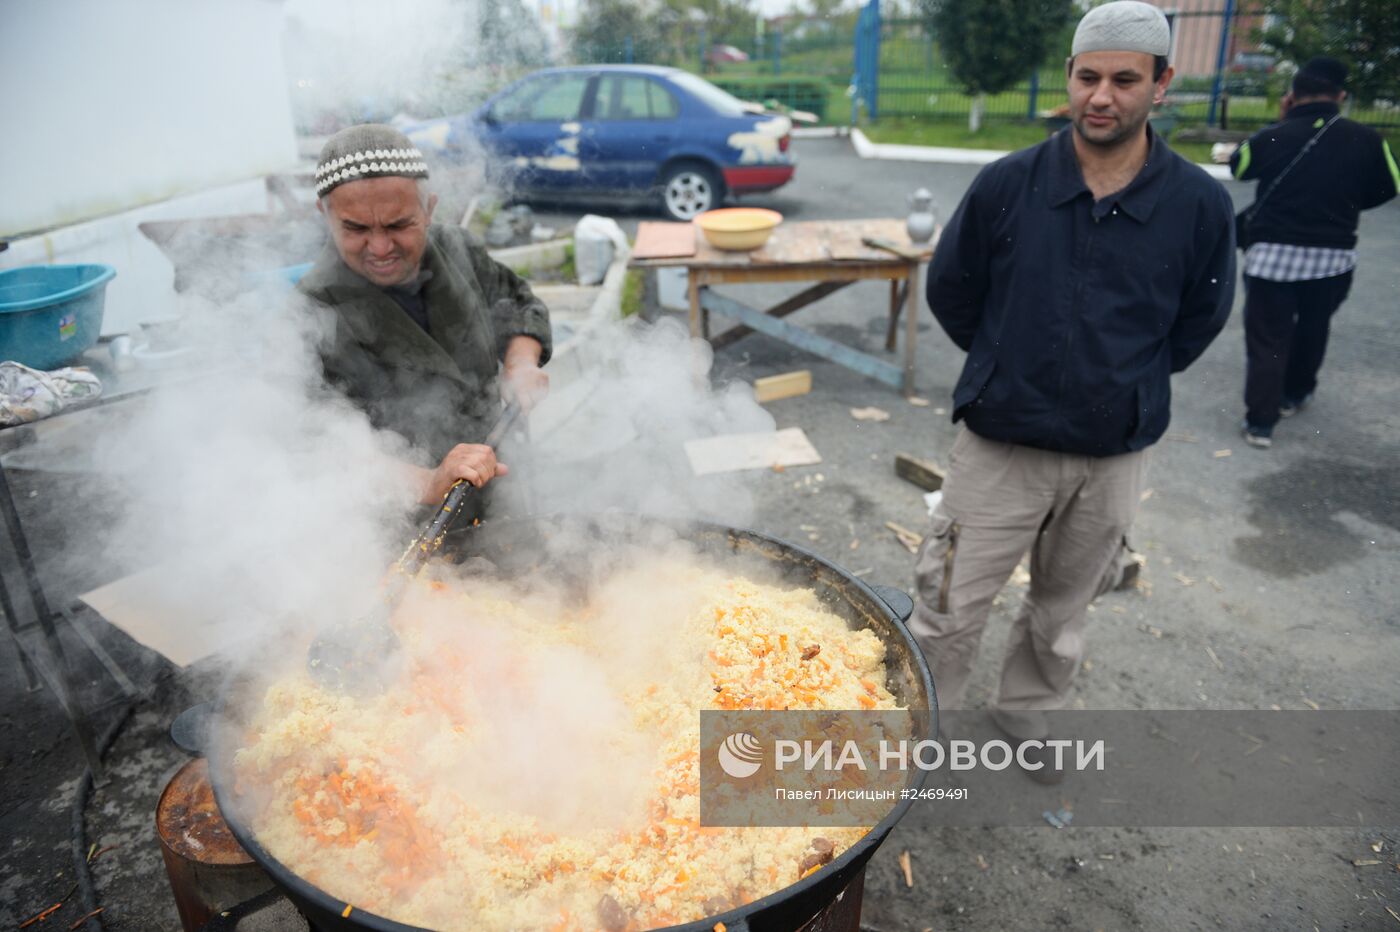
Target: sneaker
[
  {"x": 1260, "y": 437},
  {"x": 1132, "y": 572},
  {"x": 1289, "y": 407}
]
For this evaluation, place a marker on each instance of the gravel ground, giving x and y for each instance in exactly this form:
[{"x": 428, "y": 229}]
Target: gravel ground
[{"x": 1281, "y": 562}]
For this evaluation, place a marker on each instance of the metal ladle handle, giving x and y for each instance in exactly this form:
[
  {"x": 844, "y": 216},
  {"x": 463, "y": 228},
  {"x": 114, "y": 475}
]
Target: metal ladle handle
[{"x": 430, "y": 540}]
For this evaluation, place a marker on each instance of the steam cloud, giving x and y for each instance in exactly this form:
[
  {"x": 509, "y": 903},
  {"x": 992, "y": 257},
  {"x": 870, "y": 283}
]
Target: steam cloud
[
  {"x": 276, "y": 503},
  {"x": 428, "y": 57},
  {"x": 265, "y": 498},
  {"x": 615, "y": 439}
]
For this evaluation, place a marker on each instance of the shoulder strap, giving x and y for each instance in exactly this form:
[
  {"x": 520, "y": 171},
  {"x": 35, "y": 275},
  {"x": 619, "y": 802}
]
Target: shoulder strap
[{"x": 1259, "y": 202}]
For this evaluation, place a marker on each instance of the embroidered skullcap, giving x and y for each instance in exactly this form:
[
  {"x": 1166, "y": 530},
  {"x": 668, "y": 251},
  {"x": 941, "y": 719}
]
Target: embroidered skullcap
[
  {"x": 370, "y": 150},
  {"x": 1123, "y": 26}
]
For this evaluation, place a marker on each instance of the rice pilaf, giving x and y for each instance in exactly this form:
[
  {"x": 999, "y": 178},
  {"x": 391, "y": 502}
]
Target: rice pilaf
[{"x": 538, "y": 765}]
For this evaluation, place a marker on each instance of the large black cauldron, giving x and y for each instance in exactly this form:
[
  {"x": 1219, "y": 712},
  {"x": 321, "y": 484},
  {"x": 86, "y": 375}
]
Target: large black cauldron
[{"x": 517, "y": 549}]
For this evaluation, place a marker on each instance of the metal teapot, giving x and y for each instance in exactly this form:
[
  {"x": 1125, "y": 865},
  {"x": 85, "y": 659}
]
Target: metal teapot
[{"x": 921, "y": 222}]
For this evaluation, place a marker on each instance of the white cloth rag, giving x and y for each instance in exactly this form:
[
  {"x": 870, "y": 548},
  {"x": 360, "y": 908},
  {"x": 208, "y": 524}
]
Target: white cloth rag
[{"x": 30, "y": 395}]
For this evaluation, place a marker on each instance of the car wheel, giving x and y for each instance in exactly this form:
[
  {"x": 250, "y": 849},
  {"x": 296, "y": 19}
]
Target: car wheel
[{"x": 689, "y": 189}]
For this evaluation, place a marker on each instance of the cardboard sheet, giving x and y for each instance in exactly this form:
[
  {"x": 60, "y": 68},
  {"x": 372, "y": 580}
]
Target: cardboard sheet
[
  {"x": 664, "y": 240},
  {"x": 143, "y": 606},
  {"x": 733, "y": 452}
]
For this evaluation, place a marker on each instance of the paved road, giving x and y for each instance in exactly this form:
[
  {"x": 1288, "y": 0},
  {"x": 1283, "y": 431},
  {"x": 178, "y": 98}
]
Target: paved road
[{"x": 1282, "y": 563}]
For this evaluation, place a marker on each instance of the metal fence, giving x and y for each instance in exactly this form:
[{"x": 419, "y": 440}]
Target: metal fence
[
  {"x": 1222, "y": 77},
  {"x": 894, "y": 68}
]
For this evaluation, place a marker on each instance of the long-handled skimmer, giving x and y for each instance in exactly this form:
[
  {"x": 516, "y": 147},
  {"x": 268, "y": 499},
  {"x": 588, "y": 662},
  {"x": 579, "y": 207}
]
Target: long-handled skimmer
[{"x": 352, "y": 658}]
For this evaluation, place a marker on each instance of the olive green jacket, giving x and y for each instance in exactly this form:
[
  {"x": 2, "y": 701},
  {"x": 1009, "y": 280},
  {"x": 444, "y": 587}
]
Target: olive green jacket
[{"x": 438, "y": 390}]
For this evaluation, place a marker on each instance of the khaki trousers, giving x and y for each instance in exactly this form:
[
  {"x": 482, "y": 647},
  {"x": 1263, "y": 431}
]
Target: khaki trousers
[{"x": 1073, "y": 514}]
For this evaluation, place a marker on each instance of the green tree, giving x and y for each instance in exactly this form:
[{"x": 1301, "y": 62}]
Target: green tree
[
  {"x": 683, "y": 26},
  {"x": 511, "y": 38},
  {"x": 1365, "y": 34},
  {"x": 990, "y": 45},
  {"x": 604, "y": 27},
  {"x": 823, "y": 9},
  {"x": 726, "y": 18},
  {"x": 505, "y": 41}
]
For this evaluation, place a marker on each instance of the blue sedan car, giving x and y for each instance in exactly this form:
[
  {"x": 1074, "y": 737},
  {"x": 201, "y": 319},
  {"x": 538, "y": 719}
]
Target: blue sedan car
[{"x": 632, "y": 132}]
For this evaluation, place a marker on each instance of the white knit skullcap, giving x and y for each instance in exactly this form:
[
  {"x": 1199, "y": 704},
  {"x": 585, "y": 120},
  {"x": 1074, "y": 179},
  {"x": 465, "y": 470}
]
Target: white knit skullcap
[
  {"x": 1123, "y": 26},
  {"x": 369, "y": 150}
]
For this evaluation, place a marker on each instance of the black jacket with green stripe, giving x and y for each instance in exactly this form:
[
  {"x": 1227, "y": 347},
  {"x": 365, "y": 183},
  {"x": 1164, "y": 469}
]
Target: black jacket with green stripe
[
  {"x": 1319, "y": 201},
  {"x": 438, "y": 390}
]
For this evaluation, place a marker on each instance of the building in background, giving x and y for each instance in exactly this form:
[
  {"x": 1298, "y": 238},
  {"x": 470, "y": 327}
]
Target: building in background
[
  {"x": 1196, "y": 29},
  {"x": 112, "y": 106}
]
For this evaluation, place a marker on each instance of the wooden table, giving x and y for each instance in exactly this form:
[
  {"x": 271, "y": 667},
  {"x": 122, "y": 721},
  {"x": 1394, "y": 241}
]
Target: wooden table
[{"x": 831, "y": 253}]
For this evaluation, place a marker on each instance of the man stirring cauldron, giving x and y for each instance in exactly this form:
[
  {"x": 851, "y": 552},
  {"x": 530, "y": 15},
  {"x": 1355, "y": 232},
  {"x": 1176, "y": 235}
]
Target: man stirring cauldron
[
  {"x": 1078, "y": 275},
  {"x": 428, "y": 331}
]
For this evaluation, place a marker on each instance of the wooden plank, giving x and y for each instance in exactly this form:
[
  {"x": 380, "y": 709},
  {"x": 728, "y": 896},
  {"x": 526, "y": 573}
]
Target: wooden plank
[
  {"x": 794, "y": 244},
  {"x": 794, "y": 303},
  {"x": 787, "y": 385},
  {"x": 168, "y": 620},
  {"x": 884, "y": 245},
  {"x": 926, "y": 475},
  {"x": 911, "y": 540},
  {"x": 848, "y": 240},
  {"x": 692, "y": 288},
  {"x": 884, "y": 270},
  {"x": 847, "y": 244},
  {"x": 813, "y": 343},
  {"x": 911, "y": 329},
  {"x": 896, "y": 305},
  {"x": 664, "y": 240},
  {"x": 734, "y": 452},
  {"x": 805, "y": 243}
]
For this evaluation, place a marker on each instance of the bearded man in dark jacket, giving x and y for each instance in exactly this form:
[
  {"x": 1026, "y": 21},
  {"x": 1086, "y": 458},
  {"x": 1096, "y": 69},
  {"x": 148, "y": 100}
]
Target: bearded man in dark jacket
[{"x": 1078, "y": 275}]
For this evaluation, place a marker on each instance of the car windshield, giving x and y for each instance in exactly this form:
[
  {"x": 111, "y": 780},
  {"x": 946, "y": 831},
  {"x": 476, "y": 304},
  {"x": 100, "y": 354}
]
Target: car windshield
[{"x": 720, "y": 101}]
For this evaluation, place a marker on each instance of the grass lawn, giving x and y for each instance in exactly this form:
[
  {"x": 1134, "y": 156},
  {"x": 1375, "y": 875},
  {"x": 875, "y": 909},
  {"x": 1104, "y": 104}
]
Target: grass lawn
[
  {"x": 914, "y": 82},
  {"x": 998, "y": 134}
]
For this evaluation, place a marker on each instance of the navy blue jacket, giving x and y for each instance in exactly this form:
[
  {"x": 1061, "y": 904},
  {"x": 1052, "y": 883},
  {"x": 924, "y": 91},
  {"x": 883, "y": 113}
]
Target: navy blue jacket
[{"x": 1074, "y": 313}]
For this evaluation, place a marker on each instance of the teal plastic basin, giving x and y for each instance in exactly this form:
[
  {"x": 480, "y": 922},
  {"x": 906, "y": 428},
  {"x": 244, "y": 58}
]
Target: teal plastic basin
[{"x": 50, "y": 314}]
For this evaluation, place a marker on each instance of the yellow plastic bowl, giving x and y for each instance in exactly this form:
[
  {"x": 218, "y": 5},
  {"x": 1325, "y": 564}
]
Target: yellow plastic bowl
[{"x": 738, "y": 228}]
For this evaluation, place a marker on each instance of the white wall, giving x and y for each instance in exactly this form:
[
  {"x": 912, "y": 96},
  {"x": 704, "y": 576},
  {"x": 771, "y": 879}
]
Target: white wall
[
  {"x": 144, "y": 288},
  {"x": 107, "y": 105}
]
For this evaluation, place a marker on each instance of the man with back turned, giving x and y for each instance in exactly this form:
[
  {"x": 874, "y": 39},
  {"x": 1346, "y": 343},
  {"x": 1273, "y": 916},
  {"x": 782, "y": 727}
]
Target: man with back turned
[{"x": 1317, "y": 171}]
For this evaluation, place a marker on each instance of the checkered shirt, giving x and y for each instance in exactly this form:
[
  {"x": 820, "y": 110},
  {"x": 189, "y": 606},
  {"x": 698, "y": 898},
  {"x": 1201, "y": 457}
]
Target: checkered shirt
[{"x": 1283, "y": 262}]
